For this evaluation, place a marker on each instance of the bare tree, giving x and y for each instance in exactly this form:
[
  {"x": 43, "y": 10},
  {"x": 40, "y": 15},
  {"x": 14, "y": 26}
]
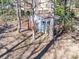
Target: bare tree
[
  {"x": 19, "y": 6},
  {"x": 33, "y": 29},
  {"x": 18, "y": 15}
]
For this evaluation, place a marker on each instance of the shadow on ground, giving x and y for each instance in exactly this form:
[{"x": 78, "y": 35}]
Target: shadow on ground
[{"x": 39, "y": 56}]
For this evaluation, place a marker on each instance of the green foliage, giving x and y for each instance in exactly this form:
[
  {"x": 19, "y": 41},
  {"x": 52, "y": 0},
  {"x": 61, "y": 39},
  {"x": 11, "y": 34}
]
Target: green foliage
[
  {"x": 77, "y": 4},
  {"x": 66, "y": 15},
  {"x": 59, "y": 10},
  {"x": 8, "y": 15},
  {"x": 8, "y": 12},
  {"x": 25, "y": 14},
  {"x": 5, "y": 1},
  {"x": 66, "y": 22},
  {"x": 58, "y": 2},
  {"x": 1, "y": 12},
  {"x": 72, "y": 14}
]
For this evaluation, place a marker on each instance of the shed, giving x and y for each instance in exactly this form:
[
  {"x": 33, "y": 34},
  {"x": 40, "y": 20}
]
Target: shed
[{"x": 40, "y": 23}]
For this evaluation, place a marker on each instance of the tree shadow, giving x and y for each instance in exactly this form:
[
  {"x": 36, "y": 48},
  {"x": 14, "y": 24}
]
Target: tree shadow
[
  {"x": 34, "y": 51},
  {"x": 11, "y": 49},
  {"x": 14, "y": 47},
  {"x": 39, "y": 35},
  {"x": 39, "y": 56},
  {"x": 20, "y": 57},
  {"x": 5, "y": 28}
]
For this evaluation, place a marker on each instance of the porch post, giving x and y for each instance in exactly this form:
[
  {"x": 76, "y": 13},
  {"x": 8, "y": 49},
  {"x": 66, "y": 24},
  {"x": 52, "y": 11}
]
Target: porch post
[
  {"x": 46, "y": 27},
  {"x": 51, "y": 32}
]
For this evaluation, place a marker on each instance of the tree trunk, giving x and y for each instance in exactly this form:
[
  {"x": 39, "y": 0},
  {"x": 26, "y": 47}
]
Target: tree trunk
[
  {"x": 19, "y": 6},
  {"x": 65, "y": 3},
  {"x": 33, "y": 29},
  {"x": 18, "y": 16}
]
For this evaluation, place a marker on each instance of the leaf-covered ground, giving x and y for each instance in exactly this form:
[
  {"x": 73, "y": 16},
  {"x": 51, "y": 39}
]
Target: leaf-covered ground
[{"x": 19, "y": 46}]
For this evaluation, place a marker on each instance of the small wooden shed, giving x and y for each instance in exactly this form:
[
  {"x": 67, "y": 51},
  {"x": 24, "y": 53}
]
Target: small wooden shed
[{"x": 40, "y": 23}]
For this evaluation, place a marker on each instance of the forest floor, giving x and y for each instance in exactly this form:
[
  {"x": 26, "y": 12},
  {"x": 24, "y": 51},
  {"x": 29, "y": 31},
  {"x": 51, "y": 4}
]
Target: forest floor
[{"x": 14, "y": 45}]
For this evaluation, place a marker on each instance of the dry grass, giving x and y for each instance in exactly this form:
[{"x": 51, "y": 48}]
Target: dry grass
[{"x": 2, "y": 22}]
